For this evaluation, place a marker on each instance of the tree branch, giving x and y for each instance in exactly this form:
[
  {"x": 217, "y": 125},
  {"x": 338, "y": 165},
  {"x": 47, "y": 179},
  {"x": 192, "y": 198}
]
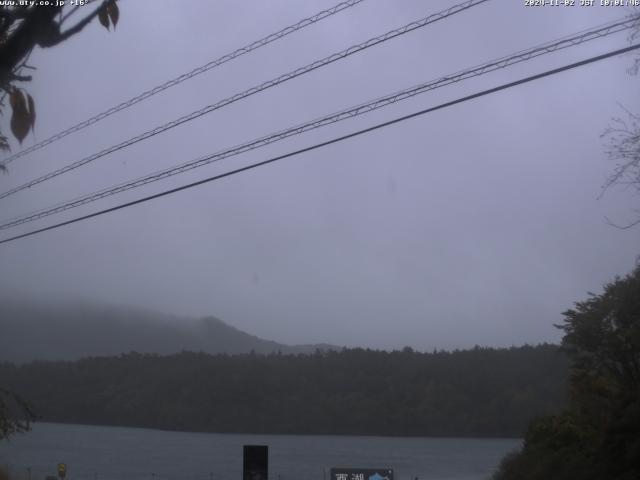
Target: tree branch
[
  {"x": 622, "y": 227},
  {"x": 72, "y": 11},
  {"x": 12, "y": 77},
  {"x": 77, "y": 28}
]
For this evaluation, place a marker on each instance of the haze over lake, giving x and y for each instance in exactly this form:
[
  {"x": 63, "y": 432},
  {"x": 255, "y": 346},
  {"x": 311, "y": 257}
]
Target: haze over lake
[{"x": 104, "y": 453}]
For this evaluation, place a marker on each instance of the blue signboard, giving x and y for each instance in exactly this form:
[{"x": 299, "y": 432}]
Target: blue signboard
[{"x": 361, "y": 474}]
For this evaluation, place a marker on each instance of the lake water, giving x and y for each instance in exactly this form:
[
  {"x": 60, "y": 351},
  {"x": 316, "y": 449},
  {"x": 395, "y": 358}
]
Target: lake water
[{"x": 105, "y": 453}]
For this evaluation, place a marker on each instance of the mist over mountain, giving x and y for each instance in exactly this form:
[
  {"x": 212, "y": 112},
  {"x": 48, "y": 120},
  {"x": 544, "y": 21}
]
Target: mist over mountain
[{"x": 65, "y": 330}]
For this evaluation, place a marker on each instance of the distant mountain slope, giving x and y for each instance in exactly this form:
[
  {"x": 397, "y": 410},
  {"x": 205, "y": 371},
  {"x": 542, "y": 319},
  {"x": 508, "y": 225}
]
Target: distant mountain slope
[{"x": 68, "y": 331}]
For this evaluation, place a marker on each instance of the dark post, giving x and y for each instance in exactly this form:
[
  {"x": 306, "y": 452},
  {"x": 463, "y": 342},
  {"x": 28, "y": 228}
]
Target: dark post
[{"x": 256, "y": 462}]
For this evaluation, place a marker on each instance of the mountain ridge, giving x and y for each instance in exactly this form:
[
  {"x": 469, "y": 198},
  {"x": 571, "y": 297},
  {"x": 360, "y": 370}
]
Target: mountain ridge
[{"x": 65, "y": 330}]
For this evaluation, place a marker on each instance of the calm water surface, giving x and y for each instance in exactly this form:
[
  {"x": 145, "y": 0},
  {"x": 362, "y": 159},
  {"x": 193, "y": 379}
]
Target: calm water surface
[{"x": 105, "y": 453}]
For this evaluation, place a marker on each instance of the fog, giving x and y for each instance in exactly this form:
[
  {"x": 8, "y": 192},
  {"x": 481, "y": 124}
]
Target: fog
[{"x": 477, "y": 224}]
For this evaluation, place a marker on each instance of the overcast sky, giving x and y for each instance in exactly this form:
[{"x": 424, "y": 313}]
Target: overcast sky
[{"x": 478, "y": 224}]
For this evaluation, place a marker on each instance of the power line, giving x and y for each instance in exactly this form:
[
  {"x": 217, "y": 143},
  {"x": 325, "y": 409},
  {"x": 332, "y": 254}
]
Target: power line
[
  {"x": 186, "y": 76},
  {"x": 239, "y": 96},
  {"x": 503, "y": 62},
  {"x": 330, "y": 142}
]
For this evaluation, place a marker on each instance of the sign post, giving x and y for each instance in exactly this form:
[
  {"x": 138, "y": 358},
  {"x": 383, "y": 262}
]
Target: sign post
[
  {"x": 62, "y": 470},
  {"x": 255, "y": 462}
]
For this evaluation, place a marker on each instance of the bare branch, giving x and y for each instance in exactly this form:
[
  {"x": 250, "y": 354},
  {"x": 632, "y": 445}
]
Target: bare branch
[
  {"x": 15, "y": 414},
  {"x": 622, "y": 227},
  {"x": 624, "y": 149}
]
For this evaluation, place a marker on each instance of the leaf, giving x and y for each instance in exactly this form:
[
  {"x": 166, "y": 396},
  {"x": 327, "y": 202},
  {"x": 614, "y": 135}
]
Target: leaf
[
  {"x": 103, "y": 16},
  {"x": 114, "y": 12},
  {"x": 32, "y": 112},
  {"x": 20, "y": 117},
  {"x": 15, "y": 98},
  {"x": 4, "y": 147}
]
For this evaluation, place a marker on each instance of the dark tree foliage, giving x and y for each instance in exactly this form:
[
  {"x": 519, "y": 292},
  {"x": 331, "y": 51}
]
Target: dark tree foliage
[
  {"x": 598, "y": 436},
  {"x": 477, "y": 392},
  {"x": 26, "y": 26}
]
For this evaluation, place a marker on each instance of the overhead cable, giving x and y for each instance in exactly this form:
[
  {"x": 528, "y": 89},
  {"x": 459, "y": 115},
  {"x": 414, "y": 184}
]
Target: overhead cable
[
  {"x": 252, "y": 91},
  {"x": 351, "y": 112},
  {"x": 328, "y": 142},
  {"x": 186, "y": 76}
]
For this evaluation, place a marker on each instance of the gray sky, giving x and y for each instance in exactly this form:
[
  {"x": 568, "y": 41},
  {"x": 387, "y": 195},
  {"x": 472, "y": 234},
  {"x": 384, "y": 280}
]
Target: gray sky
[{"x": 478, "y": 224}]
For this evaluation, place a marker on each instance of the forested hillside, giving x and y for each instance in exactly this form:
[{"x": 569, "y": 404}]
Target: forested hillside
[{"x": 478, "y": 392}]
